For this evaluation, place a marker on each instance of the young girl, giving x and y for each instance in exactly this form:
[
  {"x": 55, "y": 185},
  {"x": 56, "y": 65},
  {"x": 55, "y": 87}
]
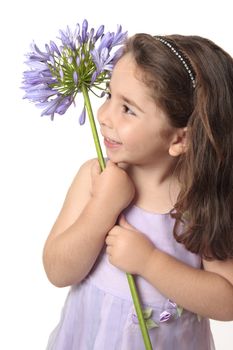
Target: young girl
[{"x": 161, "y": 210}]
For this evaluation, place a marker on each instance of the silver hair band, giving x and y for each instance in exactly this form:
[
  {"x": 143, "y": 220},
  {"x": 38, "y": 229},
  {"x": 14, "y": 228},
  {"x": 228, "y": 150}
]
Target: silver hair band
[{"x": 181, "y": 58}]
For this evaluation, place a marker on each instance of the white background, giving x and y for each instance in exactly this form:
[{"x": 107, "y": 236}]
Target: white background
[{"x": 39, "y": 158}]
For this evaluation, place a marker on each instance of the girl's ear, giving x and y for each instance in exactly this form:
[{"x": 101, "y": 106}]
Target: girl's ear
[{"x": 178, "y": 144}]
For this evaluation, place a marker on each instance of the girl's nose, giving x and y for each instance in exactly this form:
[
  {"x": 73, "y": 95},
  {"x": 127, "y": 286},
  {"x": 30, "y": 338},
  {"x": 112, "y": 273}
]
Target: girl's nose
[{"x": 104, "y": 116}]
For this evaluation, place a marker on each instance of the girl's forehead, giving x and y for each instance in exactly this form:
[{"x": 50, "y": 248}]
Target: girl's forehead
[
  {"x": 127, "y": 84},
  {"x": 126, "y": 64},
  {"x": 127, "y": 68}
]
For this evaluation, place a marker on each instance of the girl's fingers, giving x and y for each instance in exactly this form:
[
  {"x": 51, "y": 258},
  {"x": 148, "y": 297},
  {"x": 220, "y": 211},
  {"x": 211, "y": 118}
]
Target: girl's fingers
[
  {"x": 109, "y": 239},
  {"x": 124, "y": 223},
  {"x": 108, "y": 250}
]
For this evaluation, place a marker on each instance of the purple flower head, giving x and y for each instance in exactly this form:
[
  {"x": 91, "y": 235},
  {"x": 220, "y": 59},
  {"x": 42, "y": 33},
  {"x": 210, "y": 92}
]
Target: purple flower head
[{"x": 85, "y": 57}]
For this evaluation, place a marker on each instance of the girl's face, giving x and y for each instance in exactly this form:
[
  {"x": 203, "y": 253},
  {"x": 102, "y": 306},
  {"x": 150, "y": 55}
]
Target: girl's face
[{"x": 135, "y": 129}]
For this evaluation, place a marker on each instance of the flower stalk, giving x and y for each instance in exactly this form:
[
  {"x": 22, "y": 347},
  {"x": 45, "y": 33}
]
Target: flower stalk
[
  {"x": 93, "y": 127},
  {"x": 139, "y": 312},
  {"x": 130, "y": 278}
]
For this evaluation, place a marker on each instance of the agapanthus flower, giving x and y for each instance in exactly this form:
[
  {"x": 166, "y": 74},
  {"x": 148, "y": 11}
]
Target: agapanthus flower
[{"x": 84, "y": 58}]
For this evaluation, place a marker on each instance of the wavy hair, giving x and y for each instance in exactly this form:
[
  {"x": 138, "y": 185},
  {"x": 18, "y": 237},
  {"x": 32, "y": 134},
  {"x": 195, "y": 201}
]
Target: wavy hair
[{"x": 205, "y": 203}]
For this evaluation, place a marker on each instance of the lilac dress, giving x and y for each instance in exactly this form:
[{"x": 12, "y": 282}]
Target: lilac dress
[{"x": 99, "y": 312}]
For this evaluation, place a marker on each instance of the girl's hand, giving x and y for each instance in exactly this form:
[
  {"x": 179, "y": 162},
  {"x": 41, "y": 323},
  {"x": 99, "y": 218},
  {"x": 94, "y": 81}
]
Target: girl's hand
[
  {"x": 128, "y": 249},
  {"x": 112, "y": 187}
]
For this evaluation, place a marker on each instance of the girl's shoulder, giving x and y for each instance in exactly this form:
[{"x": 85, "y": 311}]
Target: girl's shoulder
[
  {"x": 82, "y": 179},
  {"x": 76, "y": 198},
  {"x": 80, "y": 189},
  {"x": 87, "y": 165}
]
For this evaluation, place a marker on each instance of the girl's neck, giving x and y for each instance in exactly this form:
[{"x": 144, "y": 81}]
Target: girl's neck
[{"x": 156, "y": 188}]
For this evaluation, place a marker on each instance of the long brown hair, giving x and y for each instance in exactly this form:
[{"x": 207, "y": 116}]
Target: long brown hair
[{"x": 205, "y": 202}]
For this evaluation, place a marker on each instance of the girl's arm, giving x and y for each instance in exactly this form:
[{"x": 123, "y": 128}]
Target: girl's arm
[
  {"x": 207, "y": 292},
  {"x": 88, "y": 213}
]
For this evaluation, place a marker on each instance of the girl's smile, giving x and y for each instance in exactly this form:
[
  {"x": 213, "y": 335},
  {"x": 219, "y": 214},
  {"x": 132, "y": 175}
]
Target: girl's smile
[{"x": 109, "y": 143}]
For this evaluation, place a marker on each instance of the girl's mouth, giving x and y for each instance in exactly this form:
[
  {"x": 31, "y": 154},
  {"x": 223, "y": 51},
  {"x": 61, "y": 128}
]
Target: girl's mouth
[{"x": 109, "y": 143}]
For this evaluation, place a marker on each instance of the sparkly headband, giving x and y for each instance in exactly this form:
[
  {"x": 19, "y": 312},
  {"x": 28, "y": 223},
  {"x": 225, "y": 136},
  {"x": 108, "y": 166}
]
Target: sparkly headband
[{"x": 185, "y": 61}]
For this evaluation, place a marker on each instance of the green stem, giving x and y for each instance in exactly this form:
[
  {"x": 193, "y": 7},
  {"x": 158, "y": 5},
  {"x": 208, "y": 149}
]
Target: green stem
[
  {"x": 130, "y": 278},
  {"x": 139, "y": 312},
  {"x": 93, "y": 127}
]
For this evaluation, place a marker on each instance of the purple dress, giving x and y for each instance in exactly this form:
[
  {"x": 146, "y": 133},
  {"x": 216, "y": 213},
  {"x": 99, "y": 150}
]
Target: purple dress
[{"x": 99, "y": 313}]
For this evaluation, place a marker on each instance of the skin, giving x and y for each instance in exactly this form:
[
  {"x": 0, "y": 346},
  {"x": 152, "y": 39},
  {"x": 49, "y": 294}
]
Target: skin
[{"x": 142, "y": 173}]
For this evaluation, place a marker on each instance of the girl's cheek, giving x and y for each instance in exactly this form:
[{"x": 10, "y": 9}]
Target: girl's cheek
[{"x": 129, "y": 135}]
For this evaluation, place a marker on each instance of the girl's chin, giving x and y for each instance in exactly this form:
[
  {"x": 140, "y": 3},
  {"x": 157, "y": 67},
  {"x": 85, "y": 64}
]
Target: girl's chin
[
  {"x": 122, "y": 164},
  {"x": 121, "y": 160},
  {"x": 116, "y": 160}
]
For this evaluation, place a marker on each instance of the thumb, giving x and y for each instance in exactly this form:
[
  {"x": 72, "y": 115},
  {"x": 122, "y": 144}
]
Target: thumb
[{"x": 124, "y": 223}]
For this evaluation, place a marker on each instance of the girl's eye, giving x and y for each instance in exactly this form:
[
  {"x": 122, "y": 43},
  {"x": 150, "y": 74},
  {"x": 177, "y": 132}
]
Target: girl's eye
[{"x": 127, "y": 110}]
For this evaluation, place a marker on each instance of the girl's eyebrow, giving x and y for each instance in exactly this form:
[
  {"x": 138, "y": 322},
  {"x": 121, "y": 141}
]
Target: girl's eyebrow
[{"x": 125, "y": 99}]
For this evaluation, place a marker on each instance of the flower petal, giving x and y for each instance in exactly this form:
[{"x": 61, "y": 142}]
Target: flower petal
[
  {"x": 165, "y": 316},
  {"x": 82, "y": 117},
  {"x": 84, "y": 31}
]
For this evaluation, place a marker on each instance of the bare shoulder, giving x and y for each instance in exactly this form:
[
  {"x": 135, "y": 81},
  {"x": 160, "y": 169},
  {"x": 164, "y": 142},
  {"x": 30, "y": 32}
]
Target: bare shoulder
[
  {"x": 222, "y": 268},
  {"x": 76, "y": 198},
  {"x": 82, "y": 180}
]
